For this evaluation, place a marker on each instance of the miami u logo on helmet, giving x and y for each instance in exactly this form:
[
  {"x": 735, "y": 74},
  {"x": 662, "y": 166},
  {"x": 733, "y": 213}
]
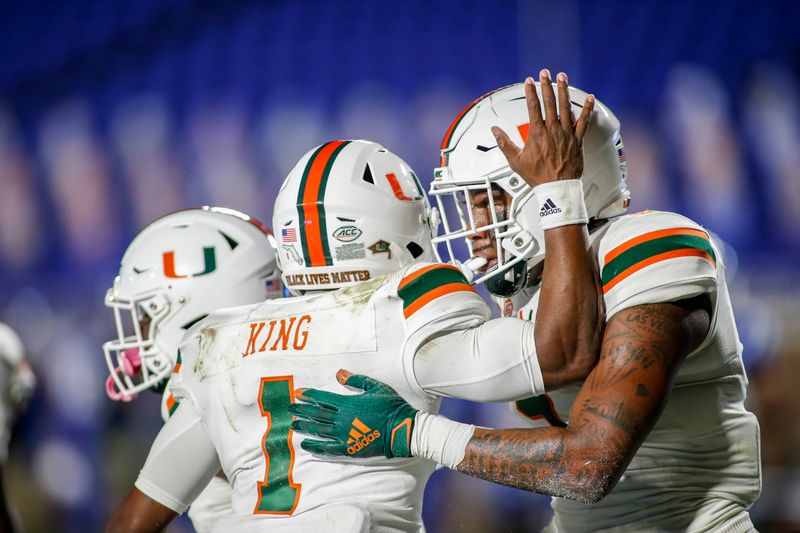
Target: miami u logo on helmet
[{"x": 209, "y": 256}]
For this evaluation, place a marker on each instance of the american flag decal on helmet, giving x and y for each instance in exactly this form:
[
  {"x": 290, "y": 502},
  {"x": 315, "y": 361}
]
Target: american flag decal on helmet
[{"x": 289, "y": 235}]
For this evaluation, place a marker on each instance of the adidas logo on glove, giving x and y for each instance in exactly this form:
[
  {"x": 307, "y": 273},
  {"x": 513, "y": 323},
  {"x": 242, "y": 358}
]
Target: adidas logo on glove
[
  {"x": 361, "y": 436},
  {"x": 549, "y": 208}
]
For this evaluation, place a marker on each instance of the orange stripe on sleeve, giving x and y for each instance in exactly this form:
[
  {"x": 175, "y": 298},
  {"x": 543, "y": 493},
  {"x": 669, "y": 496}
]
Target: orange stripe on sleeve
[
  {"x": 414, "y": 275},
  {"x": 436, "y": 293},
  {"x": 627, "y": 245},
  {"x": 685, "y": 252}
]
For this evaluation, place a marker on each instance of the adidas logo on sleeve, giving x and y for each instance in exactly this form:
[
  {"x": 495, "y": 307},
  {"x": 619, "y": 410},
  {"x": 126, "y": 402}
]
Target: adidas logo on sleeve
[{"x": 549, "y": 208}]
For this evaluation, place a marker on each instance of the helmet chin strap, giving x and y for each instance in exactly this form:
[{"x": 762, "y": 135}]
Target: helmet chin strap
[
  {"x": 511, "y": 277},
  {"x": 509, "y": 282}
]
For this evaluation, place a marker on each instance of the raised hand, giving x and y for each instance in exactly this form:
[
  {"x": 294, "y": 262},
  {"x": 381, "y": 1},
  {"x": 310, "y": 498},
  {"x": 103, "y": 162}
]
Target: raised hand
[
  {"x": 554, "y": 147},
  {"x": 376, "y": 423}
]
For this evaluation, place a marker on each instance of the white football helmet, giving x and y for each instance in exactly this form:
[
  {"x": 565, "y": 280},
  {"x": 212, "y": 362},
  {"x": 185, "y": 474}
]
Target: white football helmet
[
  {"x": 176, "y": 271},
  {"x": 471, "y": 162},
  {"x": 349, "y": 211}
]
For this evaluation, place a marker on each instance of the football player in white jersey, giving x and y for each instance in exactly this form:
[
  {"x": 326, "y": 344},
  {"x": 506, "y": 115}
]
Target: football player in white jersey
[
  {"x": 657, "y": 437},
  {"x": 175, "y": 272},
  {"x": 354, "y": 218},
  {"x": 17, "y": 383}
]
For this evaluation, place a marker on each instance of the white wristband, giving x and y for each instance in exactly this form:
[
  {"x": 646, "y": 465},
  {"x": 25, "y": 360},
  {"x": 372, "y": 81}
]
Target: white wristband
[
  {"x": 440, "y": 439},
  {"x": 561, "y": 203}
]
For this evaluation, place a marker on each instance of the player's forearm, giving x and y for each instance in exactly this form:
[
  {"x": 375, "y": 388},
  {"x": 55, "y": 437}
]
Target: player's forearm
[
  {"x": 138, "y": 513},
  {"x": 551, "y": 461},
  {"x": 571, "y": 313},
  {"x": 613, "y": 413}
]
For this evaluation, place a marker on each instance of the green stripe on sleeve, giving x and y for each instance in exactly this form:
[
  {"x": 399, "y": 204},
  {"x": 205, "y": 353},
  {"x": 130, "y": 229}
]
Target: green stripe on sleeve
[
  {"x": 429, "y": 281},
  {"x": 648, "y": 249}
]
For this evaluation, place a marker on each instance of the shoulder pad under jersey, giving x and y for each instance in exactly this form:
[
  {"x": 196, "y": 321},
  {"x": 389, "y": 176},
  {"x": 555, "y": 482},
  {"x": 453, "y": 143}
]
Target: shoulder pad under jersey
[
  {"x": 653, "y": 257},
  {"x": 431, "y": 291}
]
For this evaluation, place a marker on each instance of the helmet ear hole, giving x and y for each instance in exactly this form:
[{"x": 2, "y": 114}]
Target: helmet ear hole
[
  {"x": 368, "y": 175},
  {"x": 415, "y": 249},
  {"x": 233, "y": 243}
]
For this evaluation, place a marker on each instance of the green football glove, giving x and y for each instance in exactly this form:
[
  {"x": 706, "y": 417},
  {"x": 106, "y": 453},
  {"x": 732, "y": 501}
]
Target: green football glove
[{"x": 376, "y": 423}]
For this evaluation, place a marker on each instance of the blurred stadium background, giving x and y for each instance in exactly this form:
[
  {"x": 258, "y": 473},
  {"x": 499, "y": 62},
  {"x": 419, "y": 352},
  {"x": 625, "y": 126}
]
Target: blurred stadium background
[{"x": 113, "y": 113}]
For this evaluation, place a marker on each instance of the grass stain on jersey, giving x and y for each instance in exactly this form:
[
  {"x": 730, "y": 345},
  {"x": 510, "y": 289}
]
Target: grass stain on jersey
[
  {"x": 229, "y": 418},
  {"x": 359, "y": 295}
]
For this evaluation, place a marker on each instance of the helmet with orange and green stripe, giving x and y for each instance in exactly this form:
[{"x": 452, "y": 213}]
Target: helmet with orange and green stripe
[
  {"x": 471, "y": 164},
  {"x": 348, "y": 212}
]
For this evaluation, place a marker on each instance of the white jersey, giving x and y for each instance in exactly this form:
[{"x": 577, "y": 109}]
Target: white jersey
[
  {"x": 699, "y": 468},
  {"x": 240, "y": 369},
  {"x": 214, "y": 503}
]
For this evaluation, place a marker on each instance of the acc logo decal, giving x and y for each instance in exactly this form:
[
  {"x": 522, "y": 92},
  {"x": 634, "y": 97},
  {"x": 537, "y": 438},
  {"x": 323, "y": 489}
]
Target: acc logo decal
[
  {"x": 209, "y": 257},
  {"x": 380, "y": 247},
  {"x": 347, "y": 233}
]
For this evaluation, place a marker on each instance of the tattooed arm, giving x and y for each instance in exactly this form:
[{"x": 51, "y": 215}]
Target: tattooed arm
[{"x": 616, "y": 408}]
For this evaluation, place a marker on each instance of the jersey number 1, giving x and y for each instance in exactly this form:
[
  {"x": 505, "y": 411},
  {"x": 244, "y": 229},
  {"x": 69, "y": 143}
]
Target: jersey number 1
[
  {"x": 540, "y": 407},
  {"x": 278, "y": 493}
]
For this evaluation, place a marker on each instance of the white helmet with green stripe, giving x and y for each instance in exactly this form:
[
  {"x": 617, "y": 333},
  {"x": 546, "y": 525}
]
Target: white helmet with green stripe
[
  {"x": 176, "y": 271},
  {"x": 349, "y": 211},
  {"x": 471, "y": 162}
]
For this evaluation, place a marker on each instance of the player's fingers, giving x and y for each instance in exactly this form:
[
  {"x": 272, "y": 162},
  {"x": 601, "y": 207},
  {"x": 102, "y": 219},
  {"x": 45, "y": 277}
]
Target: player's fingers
[
  {"x": 322, "y": 398},
  {"x": 506, "y": 145},
  {"x": 322, "y": 447},
  {"x": 366, "y": 383},
  {"x": 564, "y": 106},
  {"x": 548, "y": 97},
  {"x": 312, "y": 428},
  {"x": 356, "y": 381},
  {"x": 312, "y": 412},
  {"x": 534, "y": 108},
  {"x": 586, "y": 116},
  {"x": 342, "y": 375}
]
